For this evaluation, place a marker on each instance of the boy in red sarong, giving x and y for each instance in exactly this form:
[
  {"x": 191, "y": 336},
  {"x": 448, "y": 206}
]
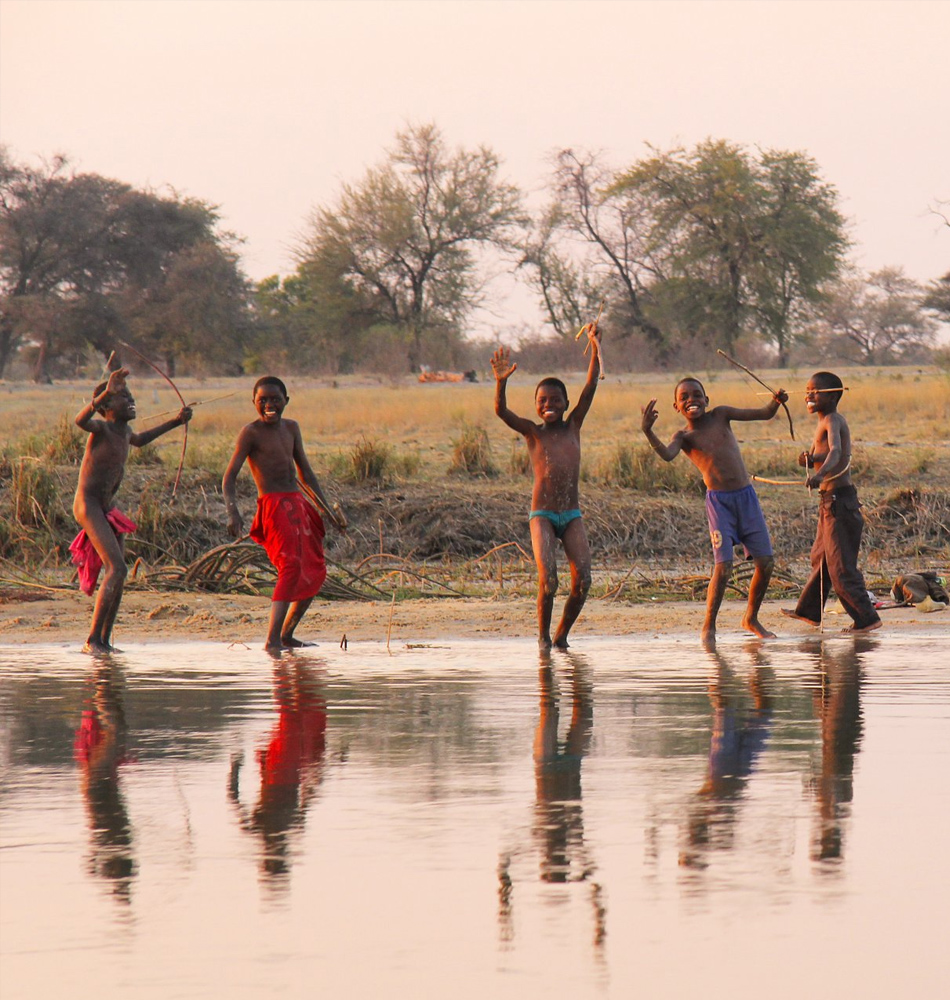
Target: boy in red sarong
[
  {"x": 100, "y": 542},
  {"x": 286, "y": 524}
]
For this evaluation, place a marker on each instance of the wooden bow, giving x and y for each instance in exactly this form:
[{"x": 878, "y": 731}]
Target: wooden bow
[
  {"x": 732, "y": 361},
  {"x": 181, "y": 398}
]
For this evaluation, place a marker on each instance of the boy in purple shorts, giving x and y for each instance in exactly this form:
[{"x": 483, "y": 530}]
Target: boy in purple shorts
[{"x": 731, "y": 503}]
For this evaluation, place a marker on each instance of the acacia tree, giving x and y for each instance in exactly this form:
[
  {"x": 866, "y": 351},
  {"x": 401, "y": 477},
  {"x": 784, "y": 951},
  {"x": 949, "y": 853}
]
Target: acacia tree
[
  {"x": 746, "y": 239},
  {"x": 85, "y": 259},
  {"x": 877, "y": 319},
  {"x": 402, "y": 246}
]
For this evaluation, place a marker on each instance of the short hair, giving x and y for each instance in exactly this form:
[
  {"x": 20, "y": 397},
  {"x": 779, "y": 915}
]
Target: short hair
[
  {"x": 551, "y": 380},
  {"x": 689, "y": 378},
  {"x": 269, "y": 380},
  {"x": 829, "y": 380}
]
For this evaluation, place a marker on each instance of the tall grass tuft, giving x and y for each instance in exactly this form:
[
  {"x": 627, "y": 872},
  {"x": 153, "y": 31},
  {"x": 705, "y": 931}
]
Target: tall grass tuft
[
  {"x": 471, "y": 452},
  {"x": 639, "y": 468}
]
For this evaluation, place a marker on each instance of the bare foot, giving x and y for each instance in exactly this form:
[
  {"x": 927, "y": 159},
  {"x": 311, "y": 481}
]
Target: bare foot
[
  {"x": 544, "y": 643},
  {"x": 708, "y": 635},
  {"x": 854, "y": 630},
  {"x": 289, "y": 642},
  {"x": 754, "y": 626},
  {"x": 273, "y": 647},
  {"x": 561, "y": 643},
  {"x": 789, "y": 613},
  {"x": 96, "y": 646}
]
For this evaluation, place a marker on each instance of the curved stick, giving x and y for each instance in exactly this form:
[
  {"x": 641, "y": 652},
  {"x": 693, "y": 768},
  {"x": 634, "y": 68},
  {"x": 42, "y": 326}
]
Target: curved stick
[
  {"x": 765, "y": 385},
  {"x": 181, "y": 398}
]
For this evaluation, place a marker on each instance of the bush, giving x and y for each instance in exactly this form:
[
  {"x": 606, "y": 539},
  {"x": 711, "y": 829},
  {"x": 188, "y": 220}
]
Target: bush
[{"x": 471, "y": 452}]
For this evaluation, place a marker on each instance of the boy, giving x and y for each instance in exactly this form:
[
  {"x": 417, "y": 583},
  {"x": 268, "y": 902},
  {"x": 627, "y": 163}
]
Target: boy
[
  {"x": 834, "y": 556},
  {"x": 732, "y": 506},
  {"x": 554, "y": 447},
  {"x": 103, "y": 465},
  {"x": 288, "y": 527}
]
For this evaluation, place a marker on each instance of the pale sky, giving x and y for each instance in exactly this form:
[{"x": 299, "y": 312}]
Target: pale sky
[{"x": 263, "y": 107}]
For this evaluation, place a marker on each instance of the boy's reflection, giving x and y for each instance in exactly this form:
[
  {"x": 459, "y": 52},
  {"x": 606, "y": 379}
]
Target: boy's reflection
[
  {"x": 100, "y": 747},
  {"x": 558, "y": 825},
  {"x": 291, "y": 765},
  {"x": 559, "y": 820},
  {"x": 837, "y": 701},
  {"x": 740, "y": 731}
]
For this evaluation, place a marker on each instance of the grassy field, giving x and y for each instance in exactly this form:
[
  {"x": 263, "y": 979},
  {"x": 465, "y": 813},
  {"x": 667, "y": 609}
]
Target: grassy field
[{"x": 431, "y": 477}]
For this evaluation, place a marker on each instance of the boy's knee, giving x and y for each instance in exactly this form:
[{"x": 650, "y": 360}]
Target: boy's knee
[
  {"x": 581, "y": 582},
  {"x": 547, "y": 585},
  {"x": 765, "y": 563},
  {"x": 115, "y": 573}
]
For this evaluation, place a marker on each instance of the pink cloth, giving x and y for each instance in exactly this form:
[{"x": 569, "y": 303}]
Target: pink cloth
[{"x": 84, "y": 552}]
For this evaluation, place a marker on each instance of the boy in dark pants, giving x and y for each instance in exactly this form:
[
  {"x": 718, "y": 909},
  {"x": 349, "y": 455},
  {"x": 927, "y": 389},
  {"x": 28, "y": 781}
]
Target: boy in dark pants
[{"x": 834, "y": 556}]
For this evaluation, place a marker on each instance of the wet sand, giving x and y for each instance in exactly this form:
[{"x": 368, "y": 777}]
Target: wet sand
[{"x": 64, "y": 617}]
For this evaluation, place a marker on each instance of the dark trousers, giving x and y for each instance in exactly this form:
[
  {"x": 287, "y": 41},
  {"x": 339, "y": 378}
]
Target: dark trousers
[{"x": 834, "y": 560}]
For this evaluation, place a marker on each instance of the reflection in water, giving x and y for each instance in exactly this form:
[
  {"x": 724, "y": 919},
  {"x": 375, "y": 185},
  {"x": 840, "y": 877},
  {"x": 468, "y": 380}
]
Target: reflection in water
[
  {"x": 558, "y": 824},
  {"x": 741, "y": 724},
  {"x": 100, "y": 747},
  {"x": 290, "y": 763},
  {"x": 837, "y": 701}
]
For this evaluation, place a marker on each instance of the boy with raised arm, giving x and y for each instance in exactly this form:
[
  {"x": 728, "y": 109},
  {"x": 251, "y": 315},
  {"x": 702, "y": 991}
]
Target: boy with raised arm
[
  {"x": 554, "y": 447},
  {"x": 834, "y": 556},
  {"x": 288, "y": 527},
  {"x": 732, "y": 506},
  {"x": 100, "y": 542}
]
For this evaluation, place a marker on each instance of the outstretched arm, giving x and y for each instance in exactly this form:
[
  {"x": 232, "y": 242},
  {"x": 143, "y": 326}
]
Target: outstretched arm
[
  {"x": 503, "y": 368},
  {"x": 146, "y": 437},
  {"x": 666, "y": 451},
  {"x": 759, "y": 413},
  {"x": 590, "y": 386}
]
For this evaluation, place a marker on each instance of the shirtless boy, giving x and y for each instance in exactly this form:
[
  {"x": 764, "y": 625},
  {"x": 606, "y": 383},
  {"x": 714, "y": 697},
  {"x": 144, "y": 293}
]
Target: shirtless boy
[
  {"x": 288, "y": 527},
  {"x": 554, "y": 447},
  {"x": 731, "y": 503},
  {"x": 100, "y": 542},
  {"x": 834, "y": 556}
]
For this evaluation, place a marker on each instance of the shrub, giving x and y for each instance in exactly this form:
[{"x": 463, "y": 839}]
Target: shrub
[{"x": 471, "y": 452}]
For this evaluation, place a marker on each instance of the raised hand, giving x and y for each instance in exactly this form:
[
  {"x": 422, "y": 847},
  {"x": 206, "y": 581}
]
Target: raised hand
[
  {"x": 650, "y": 416},
  {"x": 501, "y": 364}
]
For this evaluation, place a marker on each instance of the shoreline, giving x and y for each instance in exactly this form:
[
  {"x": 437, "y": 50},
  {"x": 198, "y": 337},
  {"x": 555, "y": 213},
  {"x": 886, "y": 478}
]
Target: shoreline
[{"x": 64, "y": 617}]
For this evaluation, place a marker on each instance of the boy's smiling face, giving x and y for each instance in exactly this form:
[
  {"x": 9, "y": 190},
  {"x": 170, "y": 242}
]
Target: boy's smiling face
[
  {"x": 120, "y": 404},
  {"x": 691, "y": 400},
  {"x": 551, "y": 403},
  {"x": 269, "y": 402}
]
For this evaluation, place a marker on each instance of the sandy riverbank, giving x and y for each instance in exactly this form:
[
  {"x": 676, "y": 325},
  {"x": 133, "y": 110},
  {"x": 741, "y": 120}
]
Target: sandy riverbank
[{"x": 63, "y": 617}]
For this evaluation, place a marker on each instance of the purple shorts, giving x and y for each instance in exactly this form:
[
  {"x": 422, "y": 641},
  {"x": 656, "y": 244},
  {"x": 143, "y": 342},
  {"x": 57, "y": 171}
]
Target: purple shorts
[{"x": 735, "y": 517}]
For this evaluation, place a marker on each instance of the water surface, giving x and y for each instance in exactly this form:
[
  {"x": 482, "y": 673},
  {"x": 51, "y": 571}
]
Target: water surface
[{"x": 467, "y": 819}]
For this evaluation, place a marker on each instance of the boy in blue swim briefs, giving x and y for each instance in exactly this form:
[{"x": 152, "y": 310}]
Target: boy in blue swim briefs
[
  {"x": 731, "y": 503},
  {"x": 554, "y": 447}
]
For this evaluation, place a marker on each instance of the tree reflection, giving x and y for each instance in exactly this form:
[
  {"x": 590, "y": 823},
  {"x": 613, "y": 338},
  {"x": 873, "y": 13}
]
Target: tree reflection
[
  {"x": 100, "y": 749},
  {"x": 741, "y": 725},
  {"x": 291, "y": 766}
]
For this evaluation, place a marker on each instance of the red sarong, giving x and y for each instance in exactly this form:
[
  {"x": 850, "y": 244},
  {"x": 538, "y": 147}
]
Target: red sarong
[
  {"x": 86, "y": 558},
  {"x": 291, "y": 531}
]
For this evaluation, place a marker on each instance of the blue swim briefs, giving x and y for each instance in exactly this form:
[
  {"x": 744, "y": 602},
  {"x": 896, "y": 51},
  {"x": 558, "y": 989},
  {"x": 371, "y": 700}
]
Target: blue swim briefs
[
  {"x": 735, "y": 517},
  {"x": 559, "y": 519}
]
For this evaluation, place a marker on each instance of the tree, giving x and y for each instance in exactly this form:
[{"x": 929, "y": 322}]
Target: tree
[
  {"x": 877, "y": 320},
  {"x": 85, "y": 260},
  {"x": 401, "y": 247},
  {"x": 592, "y": 243},
  {"x": 746, "y": 239},
  {"x": 937, "y": 298}
]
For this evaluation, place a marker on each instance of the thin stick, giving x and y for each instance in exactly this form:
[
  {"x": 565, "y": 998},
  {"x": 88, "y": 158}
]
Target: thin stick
[
  {"x": 590, "y": 329},
  {"x": 392, "y": 611},
  {"x": 844, "y": 388},
  {"x": 201, "y": 402}
]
